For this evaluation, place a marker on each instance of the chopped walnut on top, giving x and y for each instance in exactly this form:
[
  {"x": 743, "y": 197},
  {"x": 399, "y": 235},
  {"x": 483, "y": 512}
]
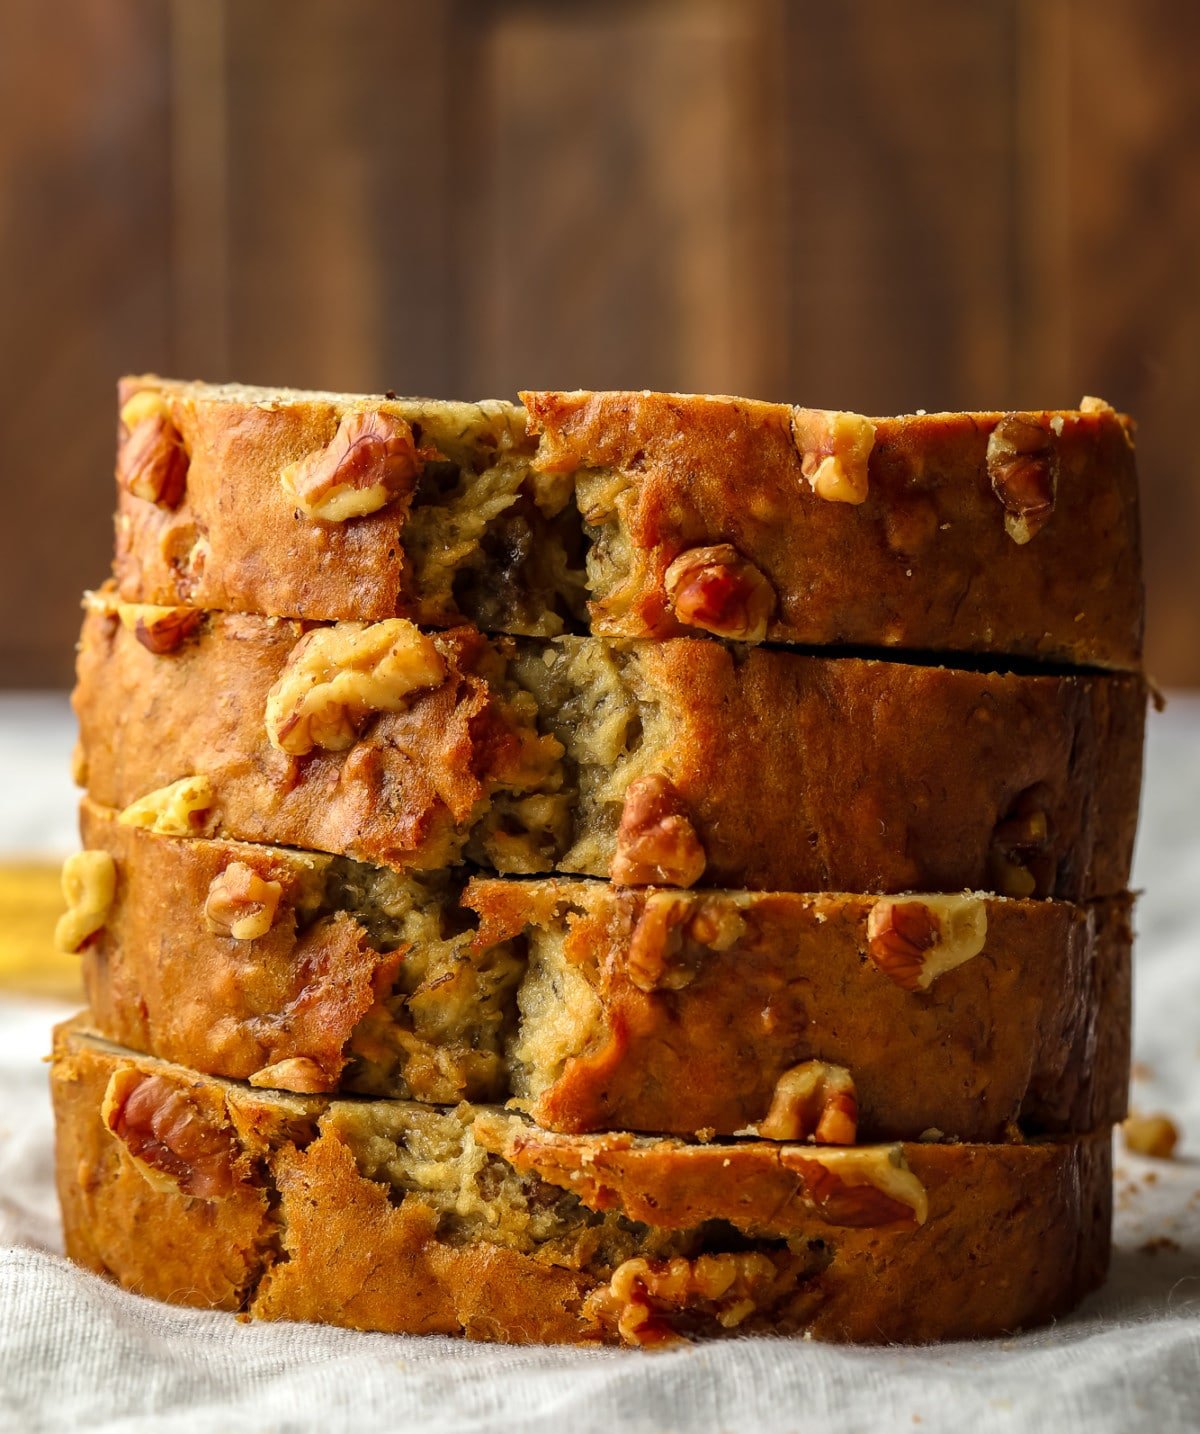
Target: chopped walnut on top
[
  {"x": 152, "y": 462},
  {"x": 916, "y": 939},
  {"x": 370, "y": 461},
  {"x": 89, "y": 884},
  {"x": 835, "y": 452},
  {"x": 336, "y": 677},
  {"x": 656, "y": 842},
  {"x": 241, "y": 903},
  {"x": 1022, "y": 464},
  {"x": 813, "y": 1101}
]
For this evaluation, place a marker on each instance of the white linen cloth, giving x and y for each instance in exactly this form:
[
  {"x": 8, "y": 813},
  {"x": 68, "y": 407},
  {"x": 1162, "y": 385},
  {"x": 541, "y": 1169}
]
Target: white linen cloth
[{"x": 77, "y": 1353}]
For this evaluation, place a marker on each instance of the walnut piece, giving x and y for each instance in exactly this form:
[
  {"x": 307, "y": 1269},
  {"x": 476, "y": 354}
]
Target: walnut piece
[
  {"x": 1020, "y": 863},
  {"x": 656, "y": 842},
  {"x": 89, "y": 884},
  {"x": 337, "y": 677},
  {"x": 1090, "y": 404},
  {"x": 722, "y": 592},
  {"x": 813, "y": 1101},
  {"x": 1022, "y": 463},
  {"x": 179, "y": 809},
  {"x": 645, "y": 1297},
  {"x": 1152, "y": 1135},
  {"x": 866, "y": 1185},
  {"x": 297, "y": 1073},
  {"x": 160, "y": 630},
  {"x": 916, "y": 939},
  {"x": 668, "y": 924},
  {"x": 172, "y": 1141},
  {"x": 370, "y": 461},
  {"x": 240, "y": 903},
  {"x": 835, "y": 452},
  {"x": 152, "y": 462}
]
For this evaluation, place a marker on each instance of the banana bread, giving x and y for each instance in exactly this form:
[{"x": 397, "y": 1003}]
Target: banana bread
[
  {"x": 667, "y": 763},
  {"x": 847, "y": 1017},
  {"x": 1000, "y": 533},
  {"x": 393, "y": 1216}
]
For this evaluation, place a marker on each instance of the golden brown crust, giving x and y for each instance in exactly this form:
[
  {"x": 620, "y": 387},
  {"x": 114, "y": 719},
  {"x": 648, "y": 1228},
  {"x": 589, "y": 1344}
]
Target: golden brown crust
[
  {"x": 660, "y": 1010},
  {"x": 924, "y": 561},
  {"x": 998, "y": 1237},
  {"x": 873, "y": 776}
]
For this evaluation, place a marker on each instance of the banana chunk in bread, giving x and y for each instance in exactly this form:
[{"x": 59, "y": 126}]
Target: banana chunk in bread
[
  {"x": 388, "y": 1215},
  {"x": 638, "y": 515},
  {"x": 683, "y": 762},
  {"x": 836, "y": 1017}
]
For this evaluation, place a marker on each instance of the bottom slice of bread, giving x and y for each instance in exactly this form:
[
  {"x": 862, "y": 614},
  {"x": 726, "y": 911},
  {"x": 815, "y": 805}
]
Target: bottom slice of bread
[{"x": 391, "y": 1215}]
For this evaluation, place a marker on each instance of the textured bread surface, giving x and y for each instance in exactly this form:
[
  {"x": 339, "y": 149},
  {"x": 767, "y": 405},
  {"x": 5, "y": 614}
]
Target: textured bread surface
[
  {"x": 408, "y": 1218},
  {"x": 515, "y": 529},
  {"x": 599, "y": 1007},
  {"x": 787, "y": 771}
]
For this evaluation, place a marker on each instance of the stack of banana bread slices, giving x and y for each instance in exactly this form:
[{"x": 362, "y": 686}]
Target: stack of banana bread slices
[{"x": 622, "y": 868}]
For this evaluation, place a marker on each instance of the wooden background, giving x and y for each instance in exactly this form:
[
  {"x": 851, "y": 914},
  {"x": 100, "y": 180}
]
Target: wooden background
[{"x": 849, "y": 203}]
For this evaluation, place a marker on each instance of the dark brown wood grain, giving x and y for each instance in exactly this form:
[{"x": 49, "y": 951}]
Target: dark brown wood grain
[{"x": 862, "y": 205}]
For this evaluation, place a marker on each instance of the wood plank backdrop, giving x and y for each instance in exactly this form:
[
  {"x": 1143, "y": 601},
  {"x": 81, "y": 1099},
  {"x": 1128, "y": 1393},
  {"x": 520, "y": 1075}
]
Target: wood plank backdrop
[{"x": 852, "y": 203}]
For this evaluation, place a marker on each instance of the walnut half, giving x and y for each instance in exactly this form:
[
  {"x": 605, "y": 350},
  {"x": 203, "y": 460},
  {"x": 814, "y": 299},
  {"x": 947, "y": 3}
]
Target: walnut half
[
  {"x": 835, "y": 452},
  {"x": 240, "y": 903},
  {"x": 89, "y": 884},
  {"x": 916, "y": 939},
  {"x": 370, "y": 461},
  {"x": 646, "y": 1298},
  {"x": 152, "y": 462},
  {"x": 1022, "y": 464},
  {"x": 813, "y": 1101},
  {"x": 336, "y": 677},
  {"x": 173, "y": 1142},
  {"x": 656, "y": 842},
  {"x": 720, "y": 591}
]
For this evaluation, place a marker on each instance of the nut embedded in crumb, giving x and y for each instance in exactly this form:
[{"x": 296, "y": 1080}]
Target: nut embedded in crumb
[
  {"x": 89, "y": 884},
  {"x": 720, "y": 591},
  {"x": 179, "y": 809},
  {"x": 160, "y": 630},
  {"x": 835, "y": 452},
  {"x": 1153, "y": 1135},
  {"x": 813, "y": 1101},
  {"x": 916, "y": 939},
  {"x": 1022, "y": 464},
  {"x": 370, "y": 461},
  {"x": 152, "y": 462},
  {"x": 240, "y": 903},
  {"x": 172, "y": 1141},
  {"x": 656, "y": 842},
  {"x": 336, "y": 677},
  {"x": 298, "y": 1073}
]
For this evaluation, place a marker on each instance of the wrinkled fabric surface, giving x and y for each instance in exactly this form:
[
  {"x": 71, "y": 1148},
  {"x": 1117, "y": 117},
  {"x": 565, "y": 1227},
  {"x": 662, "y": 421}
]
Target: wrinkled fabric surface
[{"x": 76, "y": 1352}]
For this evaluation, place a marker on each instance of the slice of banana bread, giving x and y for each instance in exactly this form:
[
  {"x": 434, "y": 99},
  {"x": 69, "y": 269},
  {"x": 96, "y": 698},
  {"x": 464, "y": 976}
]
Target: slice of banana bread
[
  {"x": 1007, "y": 533},
  {"x": 844, "y": 1017},
  {"x": 670, "y": 763},
  {"x": 393, "y": 1216}
]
